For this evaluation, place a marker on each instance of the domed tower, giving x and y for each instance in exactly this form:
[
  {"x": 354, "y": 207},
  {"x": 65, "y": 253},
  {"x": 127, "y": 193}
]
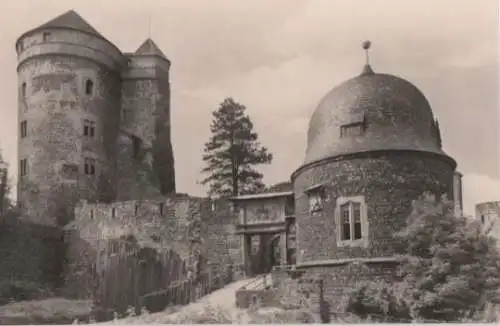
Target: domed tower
[
  {"x": 69, "y": 108},
  {"x": 145, "y": 122},
  {"x": 373, "y": 146}
]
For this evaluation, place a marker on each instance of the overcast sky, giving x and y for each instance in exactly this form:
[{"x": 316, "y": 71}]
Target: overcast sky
[{"x": 279, "y": 57}]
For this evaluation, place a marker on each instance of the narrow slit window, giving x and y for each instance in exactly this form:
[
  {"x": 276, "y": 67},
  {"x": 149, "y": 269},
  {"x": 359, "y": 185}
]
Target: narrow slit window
[
  {"x": 160, "y": 209},
  {"x": 24, "y": 129},
  {"x": 113, "y": 212},
  {"x": 136, "y": 209},
  {"x": 23, "y": 167},
  {"x": 89, "y": 87},
  {"x": 91, "y": 214},
  {"x": 23, "y": 89},
  {"x": 89, "y": 166}
]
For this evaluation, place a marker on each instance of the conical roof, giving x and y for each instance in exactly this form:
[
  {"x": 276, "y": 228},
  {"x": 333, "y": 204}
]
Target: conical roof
[
  {"x": 68, "y": 20},
  {"x": 149, "y": 47}
]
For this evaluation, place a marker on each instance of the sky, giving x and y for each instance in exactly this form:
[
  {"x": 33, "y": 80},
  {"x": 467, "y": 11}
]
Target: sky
[{"x": 280, "y": 57}]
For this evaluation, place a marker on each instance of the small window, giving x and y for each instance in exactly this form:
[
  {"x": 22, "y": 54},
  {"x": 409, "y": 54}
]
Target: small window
[
  {"x": 113, "y": 212},
  {"x": 23, "y": 167},
  {"x": 89, "y": 166},
  {"x": 91, "y": 214},
  {"x": 89, "y": 128},
  {"x": 89, "y": 87},
  {"x": 46, "y": 36},
  {"x": 350, "y": 214},
  {"x": 160, "y": 209},
  {"x": 482, "y": 219},
  {"x": 351, "y": 130},
  {"x": 24, "y": 129},
  {"x": 136, "y": 147},
  {"x": 23, "y": 89}
]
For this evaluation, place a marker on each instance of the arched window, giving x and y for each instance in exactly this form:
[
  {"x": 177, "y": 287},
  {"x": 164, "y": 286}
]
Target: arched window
[{"x": 89, "y": 87}]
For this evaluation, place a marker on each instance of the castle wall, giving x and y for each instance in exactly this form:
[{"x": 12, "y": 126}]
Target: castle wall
[
  {"x": 262, "y": 210},
  {"x": 55, "y": 106},
  {"x": 488, "y": 214}
]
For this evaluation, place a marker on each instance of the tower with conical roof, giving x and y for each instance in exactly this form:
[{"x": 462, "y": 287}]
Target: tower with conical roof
[{"x": 91, "y": 119}]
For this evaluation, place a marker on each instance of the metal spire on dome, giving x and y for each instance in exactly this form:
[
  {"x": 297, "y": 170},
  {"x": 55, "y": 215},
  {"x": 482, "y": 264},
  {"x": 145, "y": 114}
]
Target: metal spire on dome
[{"x": 367, "y": 69}]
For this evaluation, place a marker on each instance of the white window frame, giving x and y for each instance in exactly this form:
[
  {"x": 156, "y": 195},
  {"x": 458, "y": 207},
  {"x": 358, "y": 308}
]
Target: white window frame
[{"x": 364, "y": 240}]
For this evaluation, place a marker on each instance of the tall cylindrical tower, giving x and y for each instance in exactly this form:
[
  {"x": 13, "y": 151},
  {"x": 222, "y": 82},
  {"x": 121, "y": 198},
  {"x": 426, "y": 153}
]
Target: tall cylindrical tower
[{"x": 69, "y": 104}]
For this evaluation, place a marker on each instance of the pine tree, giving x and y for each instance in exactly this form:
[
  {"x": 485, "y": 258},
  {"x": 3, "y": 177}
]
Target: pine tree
[{"x": 232, "y": 152}]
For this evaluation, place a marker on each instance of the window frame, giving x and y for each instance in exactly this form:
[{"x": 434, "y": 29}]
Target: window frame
[
  {"x": 89, "y": 128},
  {"x": 23, "y": 129},
  {"x": 89, "y": 166},
  {"x": 23, "y": 167},
  {"x": 88, "y": 87},
  {"x": 351, "y": 203}
]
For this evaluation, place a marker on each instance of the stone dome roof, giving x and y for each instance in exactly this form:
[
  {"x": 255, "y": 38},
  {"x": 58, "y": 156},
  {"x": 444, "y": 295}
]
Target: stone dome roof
[{"x": 369, "y": 112}]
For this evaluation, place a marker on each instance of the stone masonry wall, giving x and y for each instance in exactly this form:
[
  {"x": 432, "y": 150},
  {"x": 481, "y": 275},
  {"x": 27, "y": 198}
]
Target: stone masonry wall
[
  {"x": 54, "y": 108},
  {"x": 389, "y": 182}
]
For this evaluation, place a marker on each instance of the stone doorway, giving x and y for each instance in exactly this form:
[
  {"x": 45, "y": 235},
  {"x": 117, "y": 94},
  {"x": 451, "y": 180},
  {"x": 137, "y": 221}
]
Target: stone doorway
[{"x": 265, "y": 253}]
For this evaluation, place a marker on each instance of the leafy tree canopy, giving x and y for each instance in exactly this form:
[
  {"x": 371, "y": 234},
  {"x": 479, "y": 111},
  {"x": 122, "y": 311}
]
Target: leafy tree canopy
[{"x": 449, "y": 271}]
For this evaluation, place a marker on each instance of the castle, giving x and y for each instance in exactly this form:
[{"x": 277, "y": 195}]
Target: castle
[
  {"x": 92, "y": 118},
  {"x": 93, "y": 121}
]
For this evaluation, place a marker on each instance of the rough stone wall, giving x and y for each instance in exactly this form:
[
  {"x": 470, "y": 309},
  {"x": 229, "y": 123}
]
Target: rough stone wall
[
  {"x": 488, "y": 214},
  {"x": 389, "y": 182},
  {"x": 54, "y": 107},
  {"x": 223, "y": 245},
  {"x": 30, "y": 253},
  {"x": 146, "y": 115}
]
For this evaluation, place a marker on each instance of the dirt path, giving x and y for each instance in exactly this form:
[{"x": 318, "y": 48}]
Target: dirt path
[{"x": 223, "y": 298}]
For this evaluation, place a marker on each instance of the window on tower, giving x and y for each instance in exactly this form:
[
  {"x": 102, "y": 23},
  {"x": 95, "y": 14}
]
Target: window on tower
[
  {"x": 89, "y": 166},
  {"x": 89, "y": 128},
  {"x": 23, "y": 89},
  {"x": 23, "y": 167},
  {"x": 351, "y": 220},
  {"x": 89, "y": 87},
  {"x": 46, "y": 36},
  {"x": 24, "y": 128}
]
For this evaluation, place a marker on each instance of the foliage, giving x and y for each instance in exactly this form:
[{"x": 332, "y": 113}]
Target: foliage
[
  {"x": 449, "y": 270},
  {"x": 5, "y": 190},
  {"x": 232, "y": 152},
  {"x": 11, "y": 290}
]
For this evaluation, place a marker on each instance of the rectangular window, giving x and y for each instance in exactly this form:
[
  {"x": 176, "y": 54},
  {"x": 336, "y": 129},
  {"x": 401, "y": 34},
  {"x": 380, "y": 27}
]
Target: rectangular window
[
  {"x": 160, "y": 209},
  {"x": 89, "y": 166},
  {"x": 23, "y": 167},
  {"x": 357, "y": 220},
  {"x": 136, "y": 146},
  {"x": 24, "y": 128},
  {"x": 346, "y": 225},
  {"x": 91, "y": 214},
  {"x": 113, "y": 212},
  {"x": 89, "y": 128},
  {"x": 136, "y": 209}
]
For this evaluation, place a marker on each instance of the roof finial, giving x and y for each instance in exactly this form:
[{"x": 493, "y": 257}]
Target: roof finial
[
  {"x": 149, "y": 25},
  {"x": 367, "y": 70}
]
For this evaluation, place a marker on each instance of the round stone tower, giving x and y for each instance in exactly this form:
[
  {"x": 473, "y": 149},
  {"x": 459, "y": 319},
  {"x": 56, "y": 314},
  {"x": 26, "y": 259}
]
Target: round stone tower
[
  {"x": 69, "y": 109},
  {"x": 373, "y": 147}
]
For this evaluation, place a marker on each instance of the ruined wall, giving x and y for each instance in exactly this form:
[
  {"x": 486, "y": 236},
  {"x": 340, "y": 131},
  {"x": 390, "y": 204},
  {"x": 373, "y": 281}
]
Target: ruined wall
[{"x": 54, "y": 105}]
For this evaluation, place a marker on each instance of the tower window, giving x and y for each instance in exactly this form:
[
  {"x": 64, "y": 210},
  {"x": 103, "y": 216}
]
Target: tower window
[
  {"x": 136, "y": 146},
  {"x": 89, "y": 166},
  {"x": 355, "y": 129},
  {"x": 160, "y": 209},
  {"x": 23, "y": 167},
  {"x": 136, "y": 209},
  {"x": 46, "y": 36},
  {"x": 482, "y": 219},
  {"x": 89, "y": 128},
  {"x": 89, "y": 87},
  {"x": 350, "y": 215},
  {"x": 113, "y": 212},
  {"x": 91, "y": 214},
  {"x": 24, "y": 128},
  {"x": 23, "y": 89}
]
